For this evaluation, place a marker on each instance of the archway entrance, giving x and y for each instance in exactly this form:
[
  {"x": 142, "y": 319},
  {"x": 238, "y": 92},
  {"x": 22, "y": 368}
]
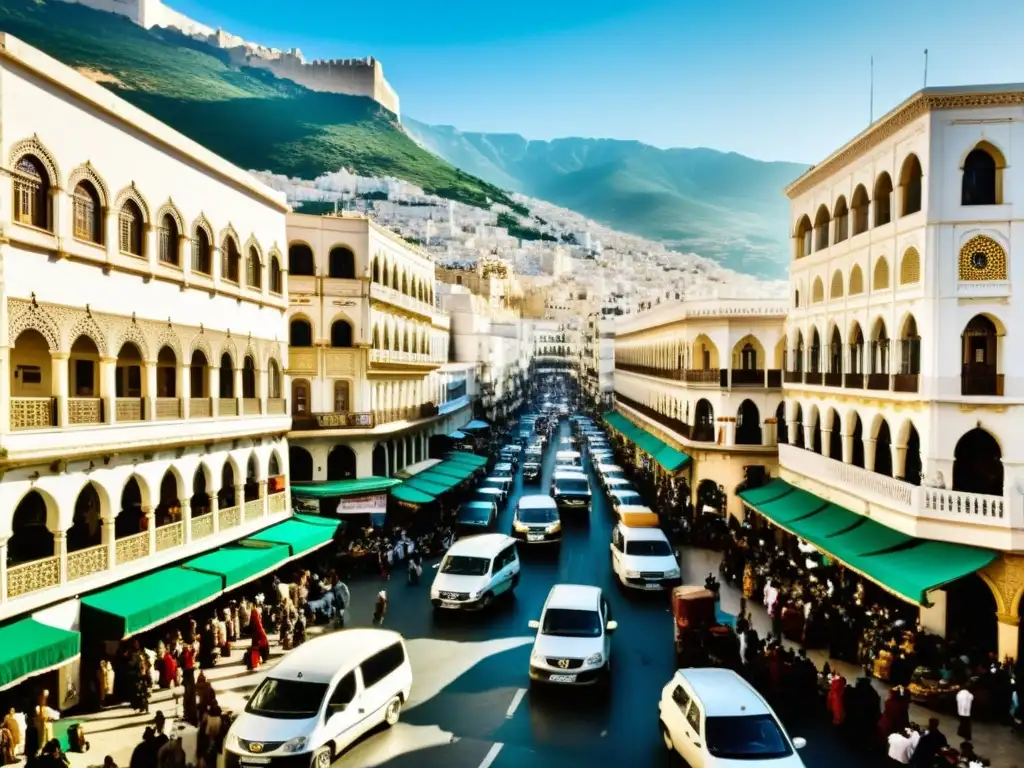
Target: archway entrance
[
  {"x": 971, "y": 616},
  {"x": 226, "y": 497},
  {"x": 710, "y": 497},
  {"x": 131, "y": 519},
  {"x": 200, "y": 503},
  {"x": 341, "y": 463},
  {"x": 169, "y": 508},
  {"x": 781, "y": 428},
  {"x": 87, "y": 529},
  {"x": 883, "y": 450},
  {"x": 978, "y": 464},
  {"x": 252, "y": 480},
  {"x": 31, "y": 539},
  {"x": 300, "y": 464},
  {"x": 380, "y": 461},
  {"x": 912, "y": 466},
  {"x": 748, "y": 424}
]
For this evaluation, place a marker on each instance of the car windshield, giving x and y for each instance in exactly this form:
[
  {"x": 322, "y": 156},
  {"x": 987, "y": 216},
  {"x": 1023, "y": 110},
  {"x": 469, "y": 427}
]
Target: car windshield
[
  {"x": 570, "y": 622},
  {"x": 474, "y": 513},
  {"x": 287, "y": 699},
  {"x": 463, "y": 565},
  {"x": 626, "y": 497},
  {"x": 572, "y": 486},
  {"x": 648, "y": 548},
  {"x": 537, "y": 515},
  {"x": 754, "y": 737},
  {"x": 494, "y": 482}
]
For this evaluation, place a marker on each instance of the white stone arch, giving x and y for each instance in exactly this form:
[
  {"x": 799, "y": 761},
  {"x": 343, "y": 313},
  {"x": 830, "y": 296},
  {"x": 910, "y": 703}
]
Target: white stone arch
[
  {"x": 131, "y": 192},
  {"x": 170, "y": 208},
  {"x": 282, "y": 460},
  {"x": 227, "y": 346},
  {"x": 167, "y": 337},
  {"x": 252, "y": 242},
  {"x": 26, "y": 316},
  {"x": 212, "y": 465},
  {"x": 86, "y": 172},
  {"x": 200, "y": 342},
  {"x": 851, "y": 416},
  {"x": 131, "y": 332},
  {"x": 77, "y": 484},
  {"x": 142, "y": 477},
  {"x": 226, "y": 233},
  {"x": 35, "y": 147},
  {"x": 253, "y": 455},
  {"x": 86, "y": 326}
]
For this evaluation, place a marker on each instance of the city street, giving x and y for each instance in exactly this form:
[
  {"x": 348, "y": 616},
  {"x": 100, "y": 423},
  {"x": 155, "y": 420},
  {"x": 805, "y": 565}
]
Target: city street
[{"x": 471, "y": 706}]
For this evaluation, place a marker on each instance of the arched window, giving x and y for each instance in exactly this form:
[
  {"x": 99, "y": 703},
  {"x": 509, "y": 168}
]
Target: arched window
[
  {"x": 860, "y": 204},
  {"x": 342, "y": 263},
  {"x": 979, "y": 358},
  {"x": 910, "y": 267},
  {"x": 376, "y": 338},
  {"x": 300, "y": 398},
  {"x": 817, "y": 291},
  {"x": 275, "y": 275},
  {"x": 910, "y": 186},
  {"x": 880, "y": 279},
  {"x": 856, "y": 281},
  {"x": 31, "y": 193},
  {"x": 87, "y": 213},
  {"x": 880, "y": 354},
  {"x": 342, "y": 402},
  {"x": 841, "y": 219},
  {"x": 274, "y": 382},
  {"x": 230, "y": 260},
  {"x": 910, "y": 349},
  {"x": 883, "y": 200},
  {"x": 300, "y": 333},
  {"x": 341, "y": 334},
  {"x": 169, "y": 240},
  {"x": 822, "y": 222},
  {"x": 804, "y": 237},
  {"x": 253, "y": 269},
  {"x": 249, "y": 378},
  {"x": 201, "y": 250},
  {"x": 836, "y": 289},
  {"x": 300, "y": 260},
  {"x": 980, "y": 184},
  {"x": 227, "y": 376},
  {"x": 130, "y": 224},
  {"x": 376, "y": 270}
]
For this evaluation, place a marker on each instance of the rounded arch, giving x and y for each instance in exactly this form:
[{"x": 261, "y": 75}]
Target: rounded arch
[
  {"x": 989, "y": 148},
  {"x": 274, "y": 388},
  {"x": 341, "y": 463},
  {"x": 880, "y": 275},
  {"x": 92, "y": 503},
  {"x": 834, "y": 424},
  {"x": 86, "y": 173},
  {"x": 836, "y": 289},
  {"x": 978, "y": 463},
  {"x": 882, "y": 199},
  {"x": 798, "y": 426},
  {"x": 135, "y": 496},
  {"x": 749, "y": 354},
  {"x": 840, "y": 208},
  {"x": 748, "y": 424},
  {"x": 300, "y": 464},
  {"x": 856, "y": 280},
  {"x": 982, "y": 258},
  {"x": 822, "y": 222},
  {"x": 131, "y": 193},
  {"x": 910, "y": 267},
  {"x": 704, "y": 421},
  {"x": 341, "y": 332},
  {"x": 300, "y": 331},
  {"x": 982, "y": 178},
  {"x": 803, "y": 233},
  {"x": 300, "y": 259},
  {"x": 883, "y": 446},
  {"x": 781, "y": 424},
  {"x": 341, "y": 262},
  {"x": 911, "y": 183},
  {"x": 817, "y": 291},
  {"x": 170, "y": 209},
  {"x": 200, "y": 497},
  {"x": 705, "y": 353},
  {"x": 274, "y": 466},
  {"x": 855, "y": 428},
  {"x": 36, "y": 516},
  {"x": 35, "y": 148},
  {"x": 860, "y": 204}
]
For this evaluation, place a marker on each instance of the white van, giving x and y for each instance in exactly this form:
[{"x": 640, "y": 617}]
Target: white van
[
  {"x": 536, "y": 520},
  {"x": 320, "y": 698},
  {"x": 475, "y": 571},
  {"x": 565, "y": 460},
  {"x": 573, "y": 643}
]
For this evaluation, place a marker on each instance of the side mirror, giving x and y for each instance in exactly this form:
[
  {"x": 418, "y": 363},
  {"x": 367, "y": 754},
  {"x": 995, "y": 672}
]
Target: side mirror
[
  {"x": 612, "y": 625},
  {"x": 612, "y": 546},
  {"x": 534, "y": 625},
  {"x": 799, "y": 742}
]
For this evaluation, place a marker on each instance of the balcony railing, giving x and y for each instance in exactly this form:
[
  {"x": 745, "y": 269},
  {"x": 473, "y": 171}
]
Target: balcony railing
[
  {"x": 981, "y": 380},
  {"x": 813, "y": 377},
  {"x": 86, "y": 562},
  {"x": 338, "y": 420},
  {"x": 748, "y": 377},
  {"x": 793, "y": 377},
  {"x": 227, "y": 406},
  {"x": 251, "y": 406},
  {"x": 676, "y": 425},
  {"x": 200, "y": 408},
  {"x": 202, "y": 526},
  {"x": 32, "y": 577},
  {"x": 853, "y": 381},
  {"x": 253, "y": 509},
  {"x": 275, "y": 406},
  {"x": 170, "y": 535},
  {"x": 905, "y": 382},
  {"x": 907, "y": 498},
  {"x": 129, "y": 408},
  {"x": 168, "y": 408},
  {"x": 85, "y": 410},
  {"x": 879, "y": 382},
  {"x": 132, "y": 548},
  {"x": 230, "y": 517},
  {"x": 833, "y": 379},
  {"x": 399, "y": 299},
  {"x": 33, "y": 412},
  {"x": 276, "y": 503}
]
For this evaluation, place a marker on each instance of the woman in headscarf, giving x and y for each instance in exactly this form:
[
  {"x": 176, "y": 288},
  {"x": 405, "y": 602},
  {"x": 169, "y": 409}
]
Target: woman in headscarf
[
  {"x": 167, "y": 666},
  {"x": 895, "y": 714},
  {"x": 836, "y": 700},
  {"x": 258, "y": 634}
]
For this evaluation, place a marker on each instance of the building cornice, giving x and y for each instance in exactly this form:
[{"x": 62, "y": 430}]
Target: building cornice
[{"x": 922, "y": 102}]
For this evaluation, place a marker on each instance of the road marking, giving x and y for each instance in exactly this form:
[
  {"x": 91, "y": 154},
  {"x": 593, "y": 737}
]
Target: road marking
[
  {"x": 516, "y": 701},
  {"x": 491, "y": 755}
]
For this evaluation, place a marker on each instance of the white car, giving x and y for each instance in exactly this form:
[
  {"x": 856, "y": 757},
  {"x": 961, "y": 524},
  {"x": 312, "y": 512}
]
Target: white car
[
  {"x": 503, "y": 469},
  {"x": 475, "y": 571},
  {"x": 504, "y": 484},
  {"x": 608, "y": 471},
  {"x": 573, "y": 645},
  {"x": 322, "y": 697},
  {"x": 643, "y": 558},
  {"x": 618, "y": 484},
  {"x": 622, "y": 498},
  {"x": 713, "y": 718}
]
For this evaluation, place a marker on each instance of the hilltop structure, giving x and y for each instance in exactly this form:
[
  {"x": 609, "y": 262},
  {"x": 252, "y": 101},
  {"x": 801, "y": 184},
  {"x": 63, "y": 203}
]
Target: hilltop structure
[{"x": 353, "y": 77}]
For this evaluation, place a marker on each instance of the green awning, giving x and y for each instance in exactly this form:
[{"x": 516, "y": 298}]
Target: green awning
[
  {"x": 464, "y": 457},
  {"x": 334, "y": 488},
  {"x": 238, "y": 564},
  {"x": 411, "y": 495},
  {"x": 427, "y": 485},
  {"x": 905, "y": 566},
  {"x": 670, "y": 459},
  {"x": 138, "y": 604},
  {"x": 330, "y": 522},
  {"x": 452, "y": 469},
  {"x": 300, "y": 536},
  {"x": 29, "y": 647}
]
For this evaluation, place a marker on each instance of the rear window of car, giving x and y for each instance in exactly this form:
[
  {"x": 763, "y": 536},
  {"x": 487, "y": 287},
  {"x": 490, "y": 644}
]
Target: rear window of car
[{"x": 754, "y": 737}]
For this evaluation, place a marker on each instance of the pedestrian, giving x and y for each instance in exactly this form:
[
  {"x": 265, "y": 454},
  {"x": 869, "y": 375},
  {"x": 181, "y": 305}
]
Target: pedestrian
[
  {"x": 964, "y": 702},
  {"x": 901, "y": 747},
  {"x": 932, "y": 742},
  {"x": 380, "y": 607},
  {"x": 415, "y": 568}
]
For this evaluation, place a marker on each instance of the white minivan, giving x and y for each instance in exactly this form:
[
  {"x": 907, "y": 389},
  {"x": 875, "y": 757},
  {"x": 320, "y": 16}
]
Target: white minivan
[
  {"x": 475, "y": 571},
  {"x": 573, "y": 645},
  {"x": 320, "y": 698}
]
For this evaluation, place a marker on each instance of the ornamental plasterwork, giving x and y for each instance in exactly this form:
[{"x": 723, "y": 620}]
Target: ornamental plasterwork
[
  {"x": 982, "y": 258},
  {"x": 170, "y": 208},
  {"x": 62, "y": 326},
  {"x": 87, "y": 173},
  {"x": 35, "y": 147},
  {"x": 132, "y": 192},
  {"x": 886, "y": 128}
]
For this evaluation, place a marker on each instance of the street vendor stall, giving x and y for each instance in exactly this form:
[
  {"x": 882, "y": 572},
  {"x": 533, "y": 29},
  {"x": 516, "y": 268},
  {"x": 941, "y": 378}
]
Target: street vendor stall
[{"x": 701, "y": 640}]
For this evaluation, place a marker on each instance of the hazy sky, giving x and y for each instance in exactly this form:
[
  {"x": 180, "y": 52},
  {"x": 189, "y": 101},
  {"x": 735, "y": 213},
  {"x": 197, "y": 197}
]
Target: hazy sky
[{"x": 786, "y": 84}]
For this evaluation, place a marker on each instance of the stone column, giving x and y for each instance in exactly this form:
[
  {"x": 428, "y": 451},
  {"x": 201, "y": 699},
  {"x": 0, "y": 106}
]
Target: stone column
[
  {"x": 186, "y": 520},
  {"x": 59, "y": 385},
  {"x": 214, "y": 504},
  {"x": 847, "y": 449},
  {"x": 869, "y": 453},
  {"x": 184, "y": 387},
  {"x": 265, "y": 506},
  {"x": 826, "y": 443},
  {"x": 108, "y": 388},
  {"x": 213, "y": 384},
  {"x": 899, "y": 461},
  {"x": 808, "y": 436},
  {"x": 150, "y": 513},
  {"x": 61, "y": 223},
  {"x": 263, "y": 391},
  {"x": 1008, "y": 632},
  {"x": 109, "y": 538},
  {"x": 149, "y": 392},
  {"x": 60, "y": 549},
  {"x": 150, "y": 247},
  {"x": 240, "y": 498},
  {"x": 238, "y": 389},
  {"x": 185, "y": 255},
  {"x": 111, "y": 240}
]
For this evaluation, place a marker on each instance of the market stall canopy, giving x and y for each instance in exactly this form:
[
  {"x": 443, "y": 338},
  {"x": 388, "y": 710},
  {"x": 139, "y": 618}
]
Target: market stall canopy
[
  {"x": 434, "y": 486},
  {"x": 141, "y": 603},
  {"x": 904, "y": 565},
  {"x": 477, "y": 424},
  {"x": 29, "y": 647},
  {"x": 241, "y": 563},
  {"x": 456, "y": 435},
  {"x": 334, "y": 488},
  {"x": 453, "y": 469},
  {"x": 467, "y": 458},
  {"x": 301, "y": 534},
  {"x": 669, "y": 458},
  {"x": 410, "y": 495},
  {"x": 414, "y": 469}
]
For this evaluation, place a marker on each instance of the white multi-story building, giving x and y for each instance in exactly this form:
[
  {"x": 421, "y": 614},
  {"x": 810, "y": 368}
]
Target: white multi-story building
[
  {"x": 597, "y": 357},
  {"x": 142, "y": 311},
  {"x": 706, "y": 377},
  {"x": 903, "y": 384},
  {"x": 371, "y": 380}
]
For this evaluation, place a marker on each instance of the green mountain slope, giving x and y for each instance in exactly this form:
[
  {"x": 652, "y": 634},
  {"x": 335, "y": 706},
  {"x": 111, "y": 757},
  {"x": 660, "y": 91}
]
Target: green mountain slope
[
  {"x": 248, "y": 116},
  {"x": 722, "y": 205}
]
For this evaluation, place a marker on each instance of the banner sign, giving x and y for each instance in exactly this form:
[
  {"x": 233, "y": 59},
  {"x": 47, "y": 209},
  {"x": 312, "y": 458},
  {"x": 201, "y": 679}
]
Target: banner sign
[{"x": 363, "y": 505}]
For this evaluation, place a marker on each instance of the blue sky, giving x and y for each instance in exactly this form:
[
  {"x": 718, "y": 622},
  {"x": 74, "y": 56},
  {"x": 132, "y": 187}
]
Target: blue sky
[{"x": 740, "y": 75}]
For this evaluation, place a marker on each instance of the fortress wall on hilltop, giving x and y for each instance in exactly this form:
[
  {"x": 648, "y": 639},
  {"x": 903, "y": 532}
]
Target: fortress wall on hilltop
[{"x": 354, "y": 77}]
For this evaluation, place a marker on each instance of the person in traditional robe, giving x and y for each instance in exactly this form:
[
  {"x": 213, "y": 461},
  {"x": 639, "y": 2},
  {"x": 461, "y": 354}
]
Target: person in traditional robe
[
  {"x": 895, "y": 714},
  {"x": 836, "y": 701},
  {"x": 14, "y": 727},
  {"x": 259, "y": 635},
  {"x": 168, "y": 667}
]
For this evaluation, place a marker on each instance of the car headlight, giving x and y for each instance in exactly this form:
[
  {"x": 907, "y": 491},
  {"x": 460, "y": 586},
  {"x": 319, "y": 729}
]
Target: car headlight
[
  {"x": 632, "y": 574},
  {"x": 520, "y": 527},
  {"x": 593, "y": 659},
  {"x": 474, "y": 595},
  {"x": 555, "y": 527},
  {"x": 672, "y": 574},
  {"x": 233, "y": 742},
  {"x": 295, "y": 745},
  {"x": 537, "y": 658}
]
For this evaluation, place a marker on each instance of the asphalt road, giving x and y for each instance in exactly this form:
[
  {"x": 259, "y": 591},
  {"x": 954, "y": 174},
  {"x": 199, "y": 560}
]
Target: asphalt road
[{"x": 471, "y": 706}]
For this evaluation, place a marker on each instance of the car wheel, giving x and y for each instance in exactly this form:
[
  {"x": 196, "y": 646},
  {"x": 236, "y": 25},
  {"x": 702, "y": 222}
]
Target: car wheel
[
  {"x": 515, "y": 581},
  {"x": 485, "y": 603},
  {"x": 322, "y": 758},
  {"x": 666, "y": 739},
  {"x": 392, "y": 712}
]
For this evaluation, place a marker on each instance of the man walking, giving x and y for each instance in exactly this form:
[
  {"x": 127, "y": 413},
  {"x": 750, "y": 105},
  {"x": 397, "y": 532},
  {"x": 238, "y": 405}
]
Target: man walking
[{"x": 964, "y": 702}]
